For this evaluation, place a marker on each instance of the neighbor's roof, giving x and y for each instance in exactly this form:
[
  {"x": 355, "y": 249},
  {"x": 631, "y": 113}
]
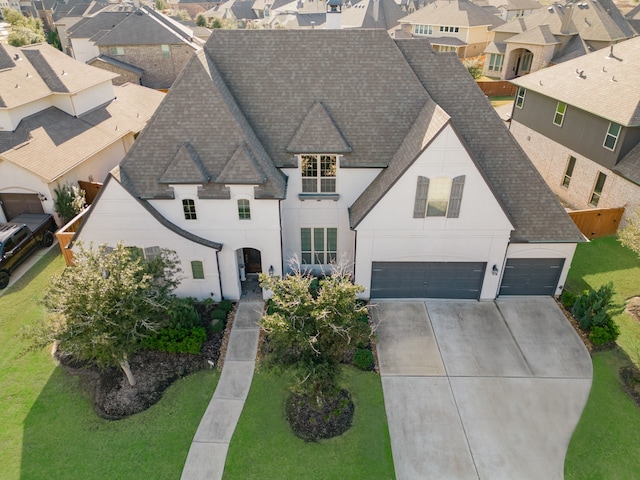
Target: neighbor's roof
[
  {"x": 608, "y": 88},
  {"x": 116, "y": 63},
  {"x": 372, "y": 14},
  {"x": 51, "y": 142},
  {"x": 540, "y": 35},
  {"x": 102, "y": 22},
  {"x": 376, "y": 98},
  {"x": 510, "y": 5},
  {"x": 38, "y": 71},
  {"x": 458, "y": 13},
  {"x": 148, "y": 27}
]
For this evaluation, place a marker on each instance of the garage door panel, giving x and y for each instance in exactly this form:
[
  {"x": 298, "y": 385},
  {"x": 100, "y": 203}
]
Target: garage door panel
[
  {"x": 427, "y": 279},
  {"x": 531, "y": 276},
  {"x": 14, "y": 204}
]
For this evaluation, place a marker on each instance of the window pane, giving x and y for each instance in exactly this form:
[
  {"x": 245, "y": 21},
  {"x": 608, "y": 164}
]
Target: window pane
[
  {"x": 309, "y": 166},
  {"x": 520, "y": 97},
  {"x": 189, "y": 208},
  {"x": 197, "y": 270},
  {"x": 569, "y": 172},
  {"x": 439, "y": 192},
  {"x": 332, "y": 239},
  {"x": 597, "y": 189},
  {"x": 612, "y": 136},
  {"x": 305, "y": 236},
  {"x": 244, "y": 211}
]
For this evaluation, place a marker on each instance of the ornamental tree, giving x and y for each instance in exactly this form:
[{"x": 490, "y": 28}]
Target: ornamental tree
[
  {"x": 99, "y": 309},
  {"x": 629, "y": 235},
  {"x": 311, "y": 333}
]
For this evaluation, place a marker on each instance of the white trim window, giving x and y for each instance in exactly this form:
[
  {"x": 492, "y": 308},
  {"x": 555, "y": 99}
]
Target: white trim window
[
  {"x": 197, "y": 270},
  {"x": 189, "y": 209},
  {"x": 597, "y": 189},
  {"x": 520, "y": 97},
  {"x": 561, "y": 110},
  {"x": 319, "y": 245},
  {"x": 166, "y": 51},
  {"x": 566, "y": 180},
  {"x": 423, "y": 29},
  {"x": 496, "y": 61},
  {"x": 318, "y": 173},
  {"x": 244, "y": 209},
  {"x": 449, "y": 29},
  {"x": 116, "y": 51},
  {"x": 611, "y": 138}
]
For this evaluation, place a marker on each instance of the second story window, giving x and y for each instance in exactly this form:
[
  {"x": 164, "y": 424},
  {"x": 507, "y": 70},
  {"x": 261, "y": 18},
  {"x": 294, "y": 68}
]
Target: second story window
[
  {"x": 423, "y": 29},
  {"x": 244, "y": 209},
  {"x": 520, "y": 97},
  {"x": 611, "y": 138},
  {"x": 561, "y": 109},
  {"x": 189, "y": 209},
  {"x": 318, "y": 173}
]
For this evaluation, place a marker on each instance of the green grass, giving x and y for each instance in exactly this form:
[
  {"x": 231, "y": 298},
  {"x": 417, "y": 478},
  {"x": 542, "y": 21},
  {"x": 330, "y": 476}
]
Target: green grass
[
  {"x": 500, "y": 100},
  {"x": 606, "y": 441},
  {"x": 49, "y": 429},
  {"x": 599, "y": 262},
  {"x": 264, "y": 447}
]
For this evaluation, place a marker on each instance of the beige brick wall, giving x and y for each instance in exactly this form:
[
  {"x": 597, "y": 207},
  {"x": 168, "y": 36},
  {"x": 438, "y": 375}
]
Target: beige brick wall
[
  {"x": 125, "y": 75},
  {"x": 551, "y": 158},
  {"x": 159, "y": 72}
]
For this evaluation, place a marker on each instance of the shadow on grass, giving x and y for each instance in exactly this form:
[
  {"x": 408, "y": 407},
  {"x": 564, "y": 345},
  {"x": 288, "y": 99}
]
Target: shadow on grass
[{"x": 64, "y": 439}]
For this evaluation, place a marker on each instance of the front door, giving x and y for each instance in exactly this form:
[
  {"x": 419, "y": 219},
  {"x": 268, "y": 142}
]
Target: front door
[{"x": 252, "y": 260}]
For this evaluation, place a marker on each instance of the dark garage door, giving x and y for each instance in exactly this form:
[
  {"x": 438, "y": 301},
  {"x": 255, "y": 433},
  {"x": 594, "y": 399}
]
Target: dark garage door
[
  {"x": 531, "y": 276},
  {"x": 14, "y": 204},
  {"x": 427, "y": 279}
]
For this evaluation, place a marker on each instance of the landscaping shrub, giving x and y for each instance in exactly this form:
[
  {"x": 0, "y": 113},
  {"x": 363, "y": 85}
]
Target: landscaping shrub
[
  {"x": 603, "y": 334},
  {"x": 225, "y": 305},
  {"x": 182, "y": 314},
  {"x": 592, "y": 308},
  {"x": 363, "y": 359},
  {"x": 219, "y": 314},
  {"x": 177, "y": 340},
  {"x": 568, "y": 299},
  {"x": 217, "y": 326}
]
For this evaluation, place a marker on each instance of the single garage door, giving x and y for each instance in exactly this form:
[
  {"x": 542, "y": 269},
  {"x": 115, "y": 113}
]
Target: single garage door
[
  {"x": 14, "y": 204},
  {"x": 427, "y": 279},
  {"x": 531, "y": 276}
]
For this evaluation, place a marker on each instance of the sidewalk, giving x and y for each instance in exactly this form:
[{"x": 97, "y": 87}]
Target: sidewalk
[{"x": 208, "y": 451}]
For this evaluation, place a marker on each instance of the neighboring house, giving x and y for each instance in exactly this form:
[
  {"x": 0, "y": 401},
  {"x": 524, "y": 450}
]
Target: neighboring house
[
  {"x": 144, "y": 45},
  {"x": 295, "y": 14},
  {"x": 554, "y": 35},
  {"x": 580, "y": 124},
  {"x": 60, "y": 122},
  {"x": 458, "y": 26},
  {"x": 510, "y": 9},
  {"x": 372, "y": 14},
  {"x": 633, "y": 17},
  {"x": 367, "y": 156},
  {"x": 239, "y": 12}
]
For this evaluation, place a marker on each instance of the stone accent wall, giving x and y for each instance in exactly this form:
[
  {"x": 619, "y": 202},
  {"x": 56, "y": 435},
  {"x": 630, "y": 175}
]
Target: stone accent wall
[
  {"x": 159, "y": 72},
  {"x": 551, "y": 159}
]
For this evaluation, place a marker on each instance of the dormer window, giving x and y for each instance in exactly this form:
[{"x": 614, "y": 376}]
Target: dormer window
[
  {"x": 318, "y": 173},
  {"x": 189, "y": 209}
]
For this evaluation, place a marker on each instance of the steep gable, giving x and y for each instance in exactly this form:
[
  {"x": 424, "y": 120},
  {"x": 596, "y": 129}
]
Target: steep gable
[
  {"x": 186, "y": 168},
  {"x": 318, "y": 134},
  {"x": 242, "y": 169}
]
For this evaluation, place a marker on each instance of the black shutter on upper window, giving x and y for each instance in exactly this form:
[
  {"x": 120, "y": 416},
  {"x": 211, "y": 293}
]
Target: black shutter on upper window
[{"x": 422, "y": 191}]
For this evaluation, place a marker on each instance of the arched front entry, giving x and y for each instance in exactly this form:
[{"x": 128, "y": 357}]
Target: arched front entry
[
  {"x": 249, "y": 266},
  {"x": 522, "y": 59}
]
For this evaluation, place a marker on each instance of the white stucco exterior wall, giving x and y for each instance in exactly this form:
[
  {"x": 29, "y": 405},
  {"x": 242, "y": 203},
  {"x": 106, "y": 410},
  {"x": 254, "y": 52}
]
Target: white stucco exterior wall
[
  {"x": 118, "y": 217},
  {"x": 84, "y": 49},
  {"x": 218, "y": 221},
  {"x": 297, "y": 214},
  {"x": 480, "y": 234}
]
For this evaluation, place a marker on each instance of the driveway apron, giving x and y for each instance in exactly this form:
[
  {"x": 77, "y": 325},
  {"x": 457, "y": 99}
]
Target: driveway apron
[{"x": 489, "y": 390}]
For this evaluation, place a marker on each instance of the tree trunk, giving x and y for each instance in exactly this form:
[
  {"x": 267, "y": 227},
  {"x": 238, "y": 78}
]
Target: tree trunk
[{"x": 124, "y": 364}]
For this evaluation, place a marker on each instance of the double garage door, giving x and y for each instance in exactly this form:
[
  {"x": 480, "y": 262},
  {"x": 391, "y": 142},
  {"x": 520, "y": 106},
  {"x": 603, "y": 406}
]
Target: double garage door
[
  {"x": 462, "y": 280},
  {"x": 427, "y": 279}
]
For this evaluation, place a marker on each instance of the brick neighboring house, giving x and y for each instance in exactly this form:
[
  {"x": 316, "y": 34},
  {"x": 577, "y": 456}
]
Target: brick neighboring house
[
  {"x": 553, "y": 35},
  {"x": 144, "y": 46},
  {"x": 579, "y": 122},
  {"x": 61, "y": 121},
  {"x": 458, "y": 26}
]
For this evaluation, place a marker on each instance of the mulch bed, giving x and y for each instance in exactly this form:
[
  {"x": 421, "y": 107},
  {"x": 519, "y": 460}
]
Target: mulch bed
[{"x": 312, "y": 422}]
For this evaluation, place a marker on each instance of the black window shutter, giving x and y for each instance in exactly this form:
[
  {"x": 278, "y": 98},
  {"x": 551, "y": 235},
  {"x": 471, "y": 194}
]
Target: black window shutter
[
  {"x": 455, "y": 198},
  {"x": 422, "y": 190}
]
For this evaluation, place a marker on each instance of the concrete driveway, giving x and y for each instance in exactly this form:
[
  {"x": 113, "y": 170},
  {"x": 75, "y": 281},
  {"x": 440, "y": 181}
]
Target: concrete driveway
[{"x": 489, "y": 390}]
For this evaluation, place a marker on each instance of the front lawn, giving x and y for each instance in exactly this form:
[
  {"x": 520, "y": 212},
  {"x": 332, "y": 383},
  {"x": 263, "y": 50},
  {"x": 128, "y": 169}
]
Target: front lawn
[
  {"x": 264, "y": 447},
  {"x": 599, "y": 262},
  {"x": 49, "y": 429},
  {"x": 606, "y": 441}
]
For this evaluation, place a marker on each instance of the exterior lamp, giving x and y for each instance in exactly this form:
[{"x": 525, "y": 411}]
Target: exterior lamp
[
  {"x": 494, "y": 270},
  {"x": 271, "y": 271}
]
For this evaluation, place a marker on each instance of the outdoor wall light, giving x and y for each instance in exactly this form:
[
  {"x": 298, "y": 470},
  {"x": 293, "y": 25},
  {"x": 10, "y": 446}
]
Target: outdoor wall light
[
  {"x": 42, "y": 197},
  {"x": 494, "y": 270},
  {"x": 271, "y": 271}
]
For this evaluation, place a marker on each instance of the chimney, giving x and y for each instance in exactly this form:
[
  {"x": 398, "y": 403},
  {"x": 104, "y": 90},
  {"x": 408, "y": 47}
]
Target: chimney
[
  {"x": 566, "y": 19},
  {"x": 334, "y": 12}
]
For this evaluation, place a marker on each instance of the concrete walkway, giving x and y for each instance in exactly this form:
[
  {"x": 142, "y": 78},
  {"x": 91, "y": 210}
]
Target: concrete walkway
[
  {"x": 481, "y": 390},
  {"x": 210, "y": 444}
]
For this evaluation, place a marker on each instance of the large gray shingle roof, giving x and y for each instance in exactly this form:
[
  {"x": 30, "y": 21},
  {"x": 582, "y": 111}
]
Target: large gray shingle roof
[
  {"x": 459, "y": 13},
  {"x": 385, "y": 98}
]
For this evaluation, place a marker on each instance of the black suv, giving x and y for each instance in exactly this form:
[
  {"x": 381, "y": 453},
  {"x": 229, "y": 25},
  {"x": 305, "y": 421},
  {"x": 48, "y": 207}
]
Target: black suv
[{"x": 20, "y": 238}]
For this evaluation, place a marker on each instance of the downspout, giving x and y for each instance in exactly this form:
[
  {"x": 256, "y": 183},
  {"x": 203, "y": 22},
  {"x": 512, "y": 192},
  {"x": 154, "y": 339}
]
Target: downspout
[
  {"x": 281, "y": 242},
  {"x": 219, "y": 274}
]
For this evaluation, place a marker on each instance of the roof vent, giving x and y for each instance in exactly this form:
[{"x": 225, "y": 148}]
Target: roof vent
[
  {"x": 550, "y": 9},
  {"x": 580, "y": 73},
  {"x": 28, "y": 75},
  {"x": 64, "y": 73},
  {"x": 540, "y": 82},
  {"x": 17, "y": 57},
  {"x": 613, "y": 79},
  {"x": 17, "y": 86}
]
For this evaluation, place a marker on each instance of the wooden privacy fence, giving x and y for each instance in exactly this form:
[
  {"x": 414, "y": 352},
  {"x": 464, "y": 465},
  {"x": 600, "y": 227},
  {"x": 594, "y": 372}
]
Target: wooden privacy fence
[
  {"x": 599, "y": 222},
  {"x": 91, "y": 190},
  {"x": 498, "y": 88},
  {"x": 65, "y": 234}
]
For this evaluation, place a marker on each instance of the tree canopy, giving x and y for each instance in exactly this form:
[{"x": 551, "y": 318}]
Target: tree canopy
[
  {"x": 100, "y": 308},
  {"x": 25, "y": 30},
  {"x": 629, "y": 235}
]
